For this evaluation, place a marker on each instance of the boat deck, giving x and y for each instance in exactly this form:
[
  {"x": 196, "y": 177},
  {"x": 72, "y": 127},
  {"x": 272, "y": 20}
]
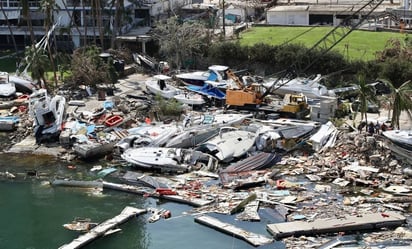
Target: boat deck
[
  {"x": 103, "y": 228},
  {"x": 252, "y": 238},
  {"x": 355, "y": 223}
]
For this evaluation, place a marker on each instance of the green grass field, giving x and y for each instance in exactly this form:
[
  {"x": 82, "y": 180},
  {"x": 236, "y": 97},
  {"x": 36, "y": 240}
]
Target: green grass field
[{"x": 358, "y": 45}]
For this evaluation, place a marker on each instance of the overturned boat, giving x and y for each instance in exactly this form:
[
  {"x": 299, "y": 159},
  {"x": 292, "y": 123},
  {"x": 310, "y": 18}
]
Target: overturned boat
[
  {"x": 169, "y": 159},
  {"x": 48, "y": 114},
  {"x": 402, "y": 138},
  {"x": 198, "y": 129},
  {"x": 286, "y": 138},
  {"x": 311, "y": 88},
  {"x": 231, "y": 143},
  {"x": 147, "y": 135}
]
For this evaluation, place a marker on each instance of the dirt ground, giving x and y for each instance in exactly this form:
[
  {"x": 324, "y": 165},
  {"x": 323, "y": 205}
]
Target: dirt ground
[{"x": 382, "y": 116}]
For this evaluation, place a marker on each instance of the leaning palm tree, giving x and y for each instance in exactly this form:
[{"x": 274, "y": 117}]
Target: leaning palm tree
[
  {"x": 9, "y": 27},
  {"x": 400, "y": 101},
  {"x": 48, "y": 7},
  {"x": 366, "y": 95},
  {"x": 117, "y": 23},
  {"x": 36, "y": 61},
  {"x": 25, "y": 11}
]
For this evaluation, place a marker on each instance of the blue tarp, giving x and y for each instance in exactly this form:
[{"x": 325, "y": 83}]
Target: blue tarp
[{"x": 207, "y": 90}]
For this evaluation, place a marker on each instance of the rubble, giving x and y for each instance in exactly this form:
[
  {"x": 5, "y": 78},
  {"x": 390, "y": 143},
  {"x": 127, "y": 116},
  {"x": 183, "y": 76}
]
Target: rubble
[{"x": 356, "y": 175}]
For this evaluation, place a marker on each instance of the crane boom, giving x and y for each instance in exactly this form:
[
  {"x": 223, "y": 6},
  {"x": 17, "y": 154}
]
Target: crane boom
[{"x": 327, "y": 42}]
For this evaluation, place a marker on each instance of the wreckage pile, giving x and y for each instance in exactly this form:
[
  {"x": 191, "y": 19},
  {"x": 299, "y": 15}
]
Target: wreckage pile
[{"x": 355, "y": 176}]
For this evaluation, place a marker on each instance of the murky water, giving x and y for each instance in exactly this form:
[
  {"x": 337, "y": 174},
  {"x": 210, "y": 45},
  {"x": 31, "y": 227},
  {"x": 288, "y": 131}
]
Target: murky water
[{"x": 32, "y": 212}]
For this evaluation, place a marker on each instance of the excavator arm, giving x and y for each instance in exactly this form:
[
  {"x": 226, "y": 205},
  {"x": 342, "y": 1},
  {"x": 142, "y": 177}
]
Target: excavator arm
[{"x": 326, "y": 43}]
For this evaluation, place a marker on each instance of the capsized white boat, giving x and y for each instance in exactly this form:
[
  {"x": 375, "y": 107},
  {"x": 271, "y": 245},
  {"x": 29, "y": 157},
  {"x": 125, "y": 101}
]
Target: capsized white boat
[
  {"x": 311, "y": 88},
  {"x": 48, "y": 113},
  {"x": 200, "y": 128},
  {"x": 162, "y": 85},
  {"x": 217, "y": 119},
  {"x": 148, "y": 135},
  {"x": 192, "y": 136},
  {"x": 23, "y": 84},
  {"x": 229, "y": 144},
  {"x": 402, "y": 138},
  {"x": 284, "y": 138},
  {"x": 169, "y": 159}
]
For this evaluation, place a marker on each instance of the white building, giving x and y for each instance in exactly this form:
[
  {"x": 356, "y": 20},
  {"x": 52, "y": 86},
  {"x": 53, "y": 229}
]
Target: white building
[{"x": 288, "y": 15}]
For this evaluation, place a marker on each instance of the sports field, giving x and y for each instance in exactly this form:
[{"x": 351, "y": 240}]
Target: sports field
[{"x": 358, "y": 45}]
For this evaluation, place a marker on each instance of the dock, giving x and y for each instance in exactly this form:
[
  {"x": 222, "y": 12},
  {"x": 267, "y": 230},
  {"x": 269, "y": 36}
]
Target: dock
[
  {"x": 103, "y": 228},
  {"x": 195, "y": 202},
  {"x": 354, "y": 223},
  {"x": 252, "y": 238}
]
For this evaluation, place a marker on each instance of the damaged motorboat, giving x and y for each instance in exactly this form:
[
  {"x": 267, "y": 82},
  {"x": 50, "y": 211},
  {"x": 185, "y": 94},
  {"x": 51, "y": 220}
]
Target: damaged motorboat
[
  {"x": 402, "y": 138},
  {"x": 147, "y": 135},
  {"x": 283, "y": 139},
  {"x": 161, "y": 85},
  {"x": 309, "y": 87},
  {"x": 169, "y": 159},
  {"x": 215, "y": 73},
  {"x": 189, "y": 98},
  {"x": 231, "y": 143},
  {"x": 48, "y": 114},
  {"x": 198, "y": 129}
]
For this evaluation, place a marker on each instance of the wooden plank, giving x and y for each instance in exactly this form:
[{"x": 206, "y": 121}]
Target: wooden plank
[
  {"x": 252, "y": 238},
  {"x": 103, "y": 228},
  {"x": 353, "y": 223}
]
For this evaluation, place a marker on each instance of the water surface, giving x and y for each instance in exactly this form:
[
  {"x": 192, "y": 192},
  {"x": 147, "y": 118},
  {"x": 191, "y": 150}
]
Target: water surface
[{"x": 32, "y": 212}]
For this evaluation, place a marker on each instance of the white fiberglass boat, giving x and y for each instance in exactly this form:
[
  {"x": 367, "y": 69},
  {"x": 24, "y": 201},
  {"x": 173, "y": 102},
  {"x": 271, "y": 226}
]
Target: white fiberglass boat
[
  {"x": 229, "y": 144},
  {"x": 162, "y": 85},
  {"x": 190, "y": 98},
  {"x": 169, "y": 159},
  {"x": 402, "y": 138},
  {"x": 311, "y": 88},
  {"x": 48, "y": 113}
]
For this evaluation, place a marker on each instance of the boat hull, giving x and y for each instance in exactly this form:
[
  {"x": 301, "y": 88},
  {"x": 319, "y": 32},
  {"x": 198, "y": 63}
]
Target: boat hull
[
  {"x": 229, "y": 145},
  {"x": 402, "y": 138}
]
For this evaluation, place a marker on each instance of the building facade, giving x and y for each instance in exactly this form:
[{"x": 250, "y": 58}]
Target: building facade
[{"x": 78, "y": 22}]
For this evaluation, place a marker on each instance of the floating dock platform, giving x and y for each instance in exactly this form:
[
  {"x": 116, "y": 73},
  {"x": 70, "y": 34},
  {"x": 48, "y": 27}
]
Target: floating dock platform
[
  {"x": 252, "y": 238},
  {"x": 365, "y": 222},
  {"x": 103, "y": 228}
]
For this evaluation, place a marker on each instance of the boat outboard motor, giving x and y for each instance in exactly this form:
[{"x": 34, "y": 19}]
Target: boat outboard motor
[{"x": 162, "y": 84}]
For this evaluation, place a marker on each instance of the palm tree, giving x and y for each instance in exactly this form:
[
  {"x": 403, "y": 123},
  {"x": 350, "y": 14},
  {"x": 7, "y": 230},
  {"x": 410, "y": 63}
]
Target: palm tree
[
  {"x": 26, "y": 14},
  {"x": 99, "y": 18},
  {"x": 48, "y": 7},
  {"x": 366, "y": 95},
  {"x": 71, "y": 16},
  {"x": 10, "y": 29},
  {"x": 400, "y": 101},
  {"x": 119, "y": 11},
  {"x": 37, "y": 61}
]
